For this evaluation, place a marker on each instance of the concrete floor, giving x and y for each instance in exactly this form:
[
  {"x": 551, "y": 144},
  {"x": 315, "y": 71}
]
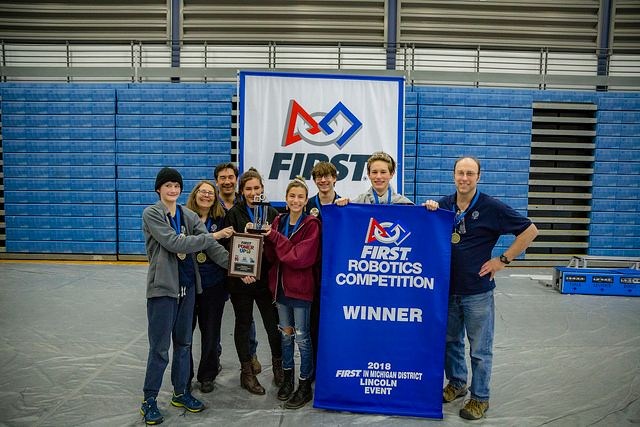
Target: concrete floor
[{"x": 74, "y": 346}]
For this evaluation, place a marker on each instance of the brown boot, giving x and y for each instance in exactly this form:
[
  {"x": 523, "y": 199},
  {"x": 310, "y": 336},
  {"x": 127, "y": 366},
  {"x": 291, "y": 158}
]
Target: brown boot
[
  {"x": 278, "y": 374},
  {"x": 248, "y": 379},
  {"x": 255, "y": 365}
]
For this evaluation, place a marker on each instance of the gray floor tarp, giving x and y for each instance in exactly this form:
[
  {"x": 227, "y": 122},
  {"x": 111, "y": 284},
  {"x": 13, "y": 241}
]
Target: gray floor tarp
[{"x": 74, "y": 346}]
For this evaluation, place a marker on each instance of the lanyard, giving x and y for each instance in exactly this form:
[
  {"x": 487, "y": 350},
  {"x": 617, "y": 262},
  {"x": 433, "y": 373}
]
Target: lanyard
[
  {"x": 224, "y": 207},
  {"x": 377, "y": 200},
  {"x": 208, "y": 223},
  {"x": 295, "y": 227},
  {"x": 175, "y": 221},
  {"x": 460, "y": 216},
  {"x": 316, "y": 201}
]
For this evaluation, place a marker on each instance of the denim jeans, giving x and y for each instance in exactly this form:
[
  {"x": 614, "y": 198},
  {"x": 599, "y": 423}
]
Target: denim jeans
[
  {"x": 297, "y": 318},
  {"x": 475, "y": 315},
  {"x": 169, "y": 319}
]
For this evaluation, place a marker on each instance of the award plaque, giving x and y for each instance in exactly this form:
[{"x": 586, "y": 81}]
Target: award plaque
[
  {"x": 245, "y": 254},
  {"x": 260, "y": 210}
]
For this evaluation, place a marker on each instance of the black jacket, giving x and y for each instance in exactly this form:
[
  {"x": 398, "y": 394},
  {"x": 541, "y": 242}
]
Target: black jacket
[{"x": 238, "y": 217}]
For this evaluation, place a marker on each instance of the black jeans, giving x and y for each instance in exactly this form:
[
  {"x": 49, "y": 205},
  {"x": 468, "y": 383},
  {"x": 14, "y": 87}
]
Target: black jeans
[
  {"x": 208, "y": 316},
  {"x": 243, "y": 308}
]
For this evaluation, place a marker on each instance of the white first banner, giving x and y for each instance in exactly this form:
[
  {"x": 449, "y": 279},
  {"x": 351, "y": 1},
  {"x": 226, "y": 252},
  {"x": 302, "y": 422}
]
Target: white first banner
[{"x": 288, "y": 122}]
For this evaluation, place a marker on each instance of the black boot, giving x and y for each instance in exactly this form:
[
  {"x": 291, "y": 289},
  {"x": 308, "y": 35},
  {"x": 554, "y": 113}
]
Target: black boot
[
  {"x": 248, "y": 379},
  {"x": 277, "y": 371},
  {"x": 286, "y": 390},
  {"x": 302, "y": 395}
]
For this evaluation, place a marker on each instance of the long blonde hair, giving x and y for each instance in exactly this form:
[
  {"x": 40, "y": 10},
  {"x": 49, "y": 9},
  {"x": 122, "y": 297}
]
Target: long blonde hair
[{"x": 215, "y": 211}]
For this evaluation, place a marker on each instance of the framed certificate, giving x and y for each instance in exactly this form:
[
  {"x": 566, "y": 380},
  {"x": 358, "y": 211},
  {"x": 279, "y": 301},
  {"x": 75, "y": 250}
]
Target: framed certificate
[{"x": 245, "y": 254}]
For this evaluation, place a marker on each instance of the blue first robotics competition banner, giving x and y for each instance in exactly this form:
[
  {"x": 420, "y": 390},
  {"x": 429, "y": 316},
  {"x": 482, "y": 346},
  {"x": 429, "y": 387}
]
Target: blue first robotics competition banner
[{"x": 383, "y": 309}]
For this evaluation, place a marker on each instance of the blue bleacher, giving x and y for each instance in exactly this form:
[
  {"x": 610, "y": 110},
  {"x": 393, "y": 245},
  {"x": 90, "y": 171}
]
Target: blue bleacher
[
  {"x": 136, "y": 172},
  {"x": 145, "y": 198},
  {"x": 60, "y": 222},
  {"x": 57, "y": 93},
  {"x": 133, "y": 235},
  {"x": 70, "y": 148},
  {"x": 474, "y": 126},
  {"x": 604, "y": 205},
  {"x": 475, "y": 113},
  {"x": 618, "y": 116},
  {"x": 607, "y": 217},
  {"x": 59, "y": 159},
  {"x": 72, "y": 234},
  {"x": 54, "y": 146},
  {"x": 177, "y": 134},
  {"x": 62, "y": 209},
  {"x": 614, "y": 129},
  {"x": 87, "y": 172},
  {"x": 130, "y": 223},
  {"x": 146, "y": 94},
  {"x": 612, "y": 142},
  {"x": 131, "y": 248},
  {"x": 58, "y": 121},
  {"x": 146, "y": 184},
  {"x": 470, "y": 138},
  {"x": 174, "y": 147},
  {"x": 68, "y": 184},
  {"x": 453, "y": 151},
  {"x": 192, "y": 160},
  {"x": 43, "y": 107},
  {"x": 222, "y": 108},
  {"x": 476, "y": 98},
  {"x": 9, "y": 132},
  {"x": 619, "y": 104},
  {"x": 71, "y": 197},
  {"x": 55, "y": 247},
  {"x": 608, "y": 155},
  {"x": 614, "y": 230},
  {"x": 172, "y": 121}
]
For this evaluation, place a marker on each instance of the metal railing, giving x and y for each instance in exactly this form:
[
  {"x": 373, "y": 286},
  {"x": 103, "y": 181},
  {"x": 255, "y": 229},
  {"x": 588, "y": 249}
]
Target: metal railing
[{"x": 137, "y": 61}]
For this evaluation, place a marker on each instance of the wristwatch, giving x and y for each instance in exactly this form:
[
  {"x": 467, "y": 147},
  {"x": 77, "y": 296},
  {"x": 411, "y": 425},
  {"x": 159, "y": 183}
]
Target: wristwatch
[{"x": 504, "y": 259}]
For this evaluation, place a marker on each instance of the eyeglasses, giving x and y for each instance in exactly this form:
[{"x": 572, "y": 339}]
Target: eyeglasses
[
  {"x": 468, "y": 173},
  {"x": 207, "y": 193}
]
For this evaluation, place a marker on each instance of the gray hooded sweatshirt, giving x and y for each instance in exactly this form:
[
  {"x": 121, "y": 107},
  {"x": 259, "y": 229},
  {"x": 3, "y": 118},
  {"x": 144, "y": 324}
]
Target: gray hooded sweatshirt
[{"x": 162, "y": 244}]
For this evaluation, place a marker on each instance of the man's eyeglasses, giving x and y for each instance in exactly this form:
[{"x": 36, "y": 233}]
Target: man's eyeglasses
[
  {"x": 468, "y": 173},
  {"x": 207, "y": 193}
]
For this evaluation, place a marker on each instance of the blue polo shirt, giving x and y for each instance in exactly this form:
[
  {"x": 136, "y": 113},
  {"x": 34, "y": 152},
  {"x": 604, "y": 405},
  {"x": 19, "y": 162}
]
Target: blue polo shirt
[{"x": 487, "y": 220}]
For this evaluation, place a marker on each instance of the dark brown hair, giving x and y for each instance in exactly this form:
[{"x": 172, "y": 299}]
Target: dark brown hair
[
  {"x": 323, "y": 169},
  {"x": 249, "y": 174}
]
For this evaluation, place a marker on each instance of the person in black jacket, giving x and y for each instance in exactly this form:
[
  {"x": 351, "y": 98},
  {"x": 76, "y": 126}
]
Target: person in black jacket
[{"x": 243, "y": 296}]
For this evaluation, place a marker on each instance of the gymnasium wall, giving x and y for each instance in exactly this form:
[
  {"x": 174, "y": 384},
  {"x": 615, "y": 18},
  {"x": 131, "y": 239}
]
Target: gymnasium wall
[{"x": 79, "y": 160}]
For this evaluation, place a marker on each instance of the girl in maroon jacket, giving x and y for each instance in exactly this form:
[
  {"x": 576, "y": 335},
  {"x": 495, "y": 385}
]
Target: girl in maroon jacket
[{"x": 292, "y": 244}]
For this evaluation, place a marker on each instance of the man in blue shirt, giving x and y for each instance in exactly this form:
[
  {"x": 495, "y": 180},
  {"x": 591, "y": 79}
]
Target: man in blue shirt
[{"x": 479, "y": 222}]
